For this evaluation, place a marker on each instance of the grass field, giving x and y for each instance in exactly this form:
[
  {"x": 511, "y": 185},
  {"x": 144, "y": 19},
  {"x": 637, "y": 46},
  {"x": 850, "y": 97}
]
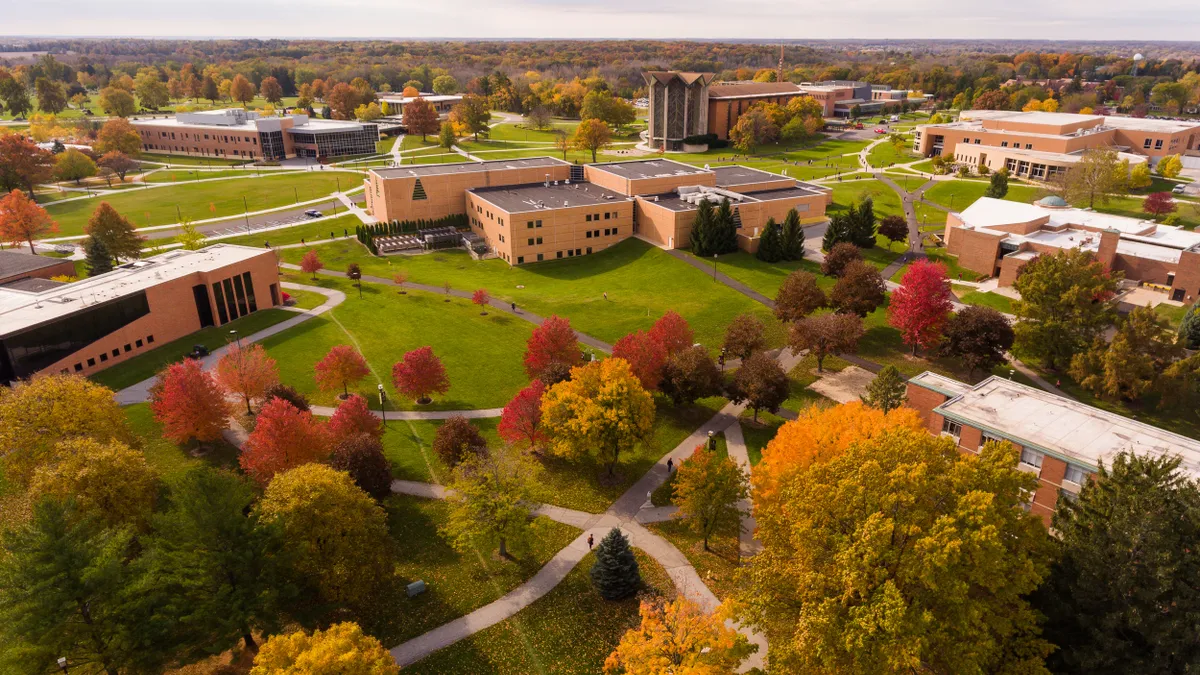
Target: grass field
[
  {"x": 970, "y": 296},
  {"x": 569, "y": 631},
  {"x": 308, "y": 231},
  {"x": 482, "y": 354},
  {"x": 886, "y": 154},
  {"x": 164, "y": 205},
  {"x": 715, "y": 566},
  {"x": 575, "y": 287},
  {"x": 457, "y": 583},
  {"x": 187, "y": 176},
  {"x": 957, "y": 195},
  {"x": 190, "y": 160},
  {"x": 146, "y": 365},
  {"x": 169, "y": 460}
]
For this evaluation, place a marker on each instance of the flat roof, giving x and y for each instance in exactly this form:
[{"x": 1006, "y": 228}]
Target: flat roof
[
  {"x": 21, "y": 309},
  {"x": 797, "y": 190},
  {"x": 736, "y": 174},
  {"x": 432, "y": 98},
  {"x": 418, "y": 170},
  {"x": 1068, "y": 429},
  {"x": 636, "y": 169},
  {"x": 542, "y": 197},
  {"x": 312, "y": 125},
  {"x": 719, "y": 90},
  {"x": 1148, "y": 124},
  {"x": 15, "y": 262}
]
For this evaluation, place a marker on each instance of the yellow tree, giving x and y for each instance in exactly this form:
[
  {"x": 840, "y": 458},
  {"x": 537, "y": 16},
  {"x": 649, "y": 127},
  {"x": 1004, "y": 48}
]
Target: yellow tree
[
  {"x": 36, "y": 415},
  {"x": 678, "y": 638},
  {"x": 241, "y": 89},
  {"x": 108, "y": 480},
  {"x": 603, "y": 408},
  {"x": 707, "y": 490},
  {"x": 901, "y": 555},
  {"x": 342, "y": 649},
  {"x": 592, "y": 135}
]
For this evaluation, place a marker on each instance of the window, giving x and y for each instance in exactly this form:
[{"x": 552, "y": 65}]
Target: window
[
  {"x": 539, "y": 257},
  {"x": 952, "y": 428},
  {"x": 1147, "y": 143},
  {"x": 531, "y": 241},
  {"x": 116, "y": 352},
  {"x": 103, "y": 357},
  {"x": 1029, "y": 146},
  {"x": 91, "y": 362},
  {"x": 1075, "y": 474},
  {"x": 128, "y": 348},
  {"x": 520, "y": 260},
  {"x": 978, "y": 141},
  {"x": 539, "y": 240},
  {"x": 149, "y": 339},
  {"x": 1004, "y": 144},
  {"x": 529, "y": 225},
  {"x": 588, "y": 218},
  {"x": 1031, "y": 457},
  {"x": 538, "y": 223},
  {"x": 1158, "y": 144},
  {"x": 589, "y": 234},
  {"x": 559, "y": 254},
  {"x": 78, "y": 367},
  {"x": 607, "y": 215},
  {"x": 138, "y": 344}
]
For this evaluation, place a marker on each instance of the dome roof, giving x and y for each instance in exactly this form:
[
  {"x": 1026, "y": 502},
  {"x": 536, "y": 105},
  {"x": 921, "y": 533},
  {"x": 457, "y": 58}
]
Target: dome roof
[{"x": 1052, "y": 201}]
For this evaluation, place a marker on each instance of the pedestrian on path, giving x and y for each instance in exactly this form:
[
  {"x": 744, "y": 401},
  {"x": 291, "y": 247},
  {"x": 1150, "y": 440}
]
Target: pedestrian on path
[
  {"x": 591, "y": 540},
  {"x": 514, "y": 308},
  {"x": 670, "y": 464}
]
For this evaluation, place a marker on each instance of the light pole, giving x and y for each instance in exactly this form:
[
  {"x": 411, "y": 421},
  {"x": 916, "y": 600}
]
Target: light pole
[
  {"x": 714, "y": 268},
  {"x": 236, "y": 337},
  {"x": 62, "y": 663},
  {"x": 382, "y": 409},
  {"x": 296, "y": 194}
]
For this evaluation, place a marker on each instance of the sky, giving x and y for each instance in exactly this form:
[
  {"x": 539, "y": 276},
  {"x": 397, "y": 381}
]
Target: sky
[{"x": 708, "y": 19}]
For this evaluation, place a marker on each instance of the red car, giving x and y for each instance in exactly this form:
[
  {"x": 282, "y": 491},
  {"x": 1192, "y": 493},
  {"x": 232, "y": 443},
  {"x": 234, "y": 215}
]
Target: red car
[{"x": 881, "y": 131}]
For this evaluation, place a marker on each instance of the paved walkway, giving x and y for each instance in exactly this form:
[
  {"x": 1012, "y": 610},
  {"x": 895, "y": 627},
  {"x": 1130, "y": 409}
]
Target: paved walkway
[
  {"x": 735, "y": 444},
  {"x": 497, "y": 305}
]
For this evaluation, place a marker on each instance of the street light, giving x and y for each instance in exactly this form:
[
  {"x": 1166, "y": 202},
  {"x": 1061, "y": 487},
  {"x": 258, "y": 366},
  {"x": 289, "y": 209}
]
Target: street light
[
  {"x": 62, "y": 663},
  {"x": 382, "y": 409},
  {"x": 714, "y": 268},
  {"x": 237, "y": 337}
]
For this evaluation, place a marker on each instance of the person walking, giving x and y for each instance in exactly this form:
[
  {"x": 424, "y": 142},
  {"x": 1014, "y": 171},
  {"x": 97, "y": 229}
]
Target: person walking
[
  {"x": 606, "y": 295},
  {"x": 514, "y": 308},
  {"x": 670, "y": 464},
  {"x": 591, "y": 540}
]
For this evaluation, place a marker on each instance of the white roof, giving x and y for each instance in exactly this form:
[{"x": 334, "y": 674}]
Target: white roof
[
  {"x": 23, "y": 309},
  {"x": 1147, "y": 124},
  {"x": 432, "y": 98},
  {"x": 302, "y": 123},
  {"x": 1062, "y": 157},
  {"x": 1073, "y": 431}
]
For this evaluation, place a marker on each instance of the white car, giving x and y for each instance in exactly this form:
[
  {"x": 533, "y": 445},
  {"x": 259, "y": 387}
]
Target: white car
[{"x": 1179, "y": 189}]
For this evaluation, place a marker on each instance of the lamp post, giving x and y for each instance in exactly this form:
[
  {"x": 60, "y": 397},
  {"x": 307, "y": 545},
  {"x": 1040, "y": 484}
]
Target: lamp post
[
  {"x": 62, "y": 663},
  {"x": 714, "y": 268},
  {"x": 382, "y": 409},
  {"x": 712, "y": 440},
  {"x": 236, "y": 337}
]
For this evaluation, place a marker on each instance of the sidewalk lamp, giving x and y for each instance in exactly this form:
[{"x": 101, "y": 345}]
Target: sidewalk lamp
[
  {"x": 62, "y": 663},
  {"x": 714, "y": 268},
  {"x": 712, "y": 440},
  {"x": 382, "y": 409},
  {"x": 246, "y": 213},
  {"x": 236, "y": 337}
]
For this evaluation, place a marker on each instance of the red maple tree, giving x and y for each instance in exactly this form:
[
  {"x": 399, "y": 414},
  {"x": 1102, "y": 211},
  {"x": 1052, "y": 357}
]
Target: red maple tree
[
  {"x": 481, "y": 299},
  {"x": 1159, "y": 204},
  {"x": 21, "y": 219},
  {"x": 188, "y": 403},
  {"x": 247, "y": 372},
  {"x": 921, "y": 306},
  {"x": 672, "y": 333},
  {"x": 341, "y": 367},
  {"x": 353, "y": 417},
  {"x": 645, "y": 356},
  {"x": 521, "y": 421},
  {"x": 420, "y": 374},
  {"x": 311, "y": 263},
  {"x": 284, "y": 437},
  {"x": 552, "y": 342}
]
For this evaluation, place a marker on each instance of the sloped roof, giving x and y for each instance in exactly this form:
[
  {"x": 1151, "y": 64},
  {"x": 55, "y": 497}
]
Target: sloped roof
[{"x": 665, "y": 76}]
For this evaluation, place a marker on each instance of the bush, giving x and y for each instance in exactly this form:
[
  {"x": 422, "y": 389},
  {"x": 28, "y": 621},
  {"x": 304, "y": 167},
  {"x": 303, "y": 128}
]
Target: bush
[
  {"x": 361, "y": 456},
  {"x": 837, "y": 259},
  {"x": 455, "y": 438},
  {"x": 286, "y": 393}
]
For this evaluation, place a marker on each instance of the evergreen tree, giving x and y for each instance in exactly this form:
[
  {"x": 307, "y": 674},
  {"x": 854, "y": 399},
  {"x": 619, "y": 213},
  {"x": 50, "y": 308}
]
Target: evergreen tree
[
  {"x": 702, "y": 229},
  {"x": 838, "y": 231},
  {"x": 615, "y": 574},
  {"x": 793, "y": 236},
  {"x": 999, "y": 186},
  {"x": 724, "y": 239},
  {"x": 770, "y": 247},
  {"x": 98, "y": 260},
  {"x": 862, "y": 224},
  {"x": 1189, "y": 328},
  {"x": 887, "y": 391}
]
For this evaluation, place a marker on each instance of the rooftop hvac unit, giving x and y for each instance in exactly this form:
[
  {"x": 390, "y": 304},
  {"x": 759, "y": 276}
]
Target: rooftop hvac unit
[{"x": 568, "y": 182}]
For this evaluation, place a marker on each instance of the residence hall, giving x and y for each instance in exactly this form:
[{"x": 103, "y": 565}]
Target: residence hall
[
  {"x": 442, "y": 103},
  {"x": 542, "y": 208},
  {"x": 1060, "y": 440},
  {"x": 684, "y": 105},
  {"x": 88, "y": 325},
  {"x": 997, "y": 238},
  {"x": 1038, "y": 145},
  {"x": 245, "y": 134}
]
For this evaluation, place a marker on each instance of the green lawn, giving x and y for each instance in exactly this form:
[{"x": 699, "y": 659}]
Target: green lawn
[
  {"x": 522, "y": 132},
  {"x": 457, "y": 583},
  {"x": 416, "y": 142},
  {"x": 1186, "y": 213},
  {"x": 200, "y": 201},
  {"x": 1173, "y": 314},
  {"x": 305, "y": 299},
  {"x": 715, "y": 566},
  {"x": 886, "y": 154},
  {"x": 642, "y": 283},
  {"x": 957, "y": 195},
  {"x": 886, "y": 201},
  {"x": 189, "y": 160},
  {"x": 970, "y": 296},
  {"x": 569, "y": 631},
  {"x": 482, "y": 354},
  {"x": 308, "y": 231},
  {"x": 186, "y": 176},
  {"x": 146, "y": 365},
  {"x": 169, "y": 460},
  {"x": 663, "y": 495}
]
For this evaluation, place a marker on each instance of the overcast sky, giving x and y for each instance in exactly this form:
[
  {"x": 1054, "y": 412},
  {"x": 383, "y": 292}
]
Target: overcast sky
[{"x": 710, "y": 19}]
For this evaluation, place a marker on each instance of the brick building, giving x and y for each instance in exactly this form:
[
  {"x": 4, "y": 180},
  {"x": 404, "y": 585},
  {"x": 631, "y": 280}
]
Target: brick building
[
  {"x": 244, "y": 134},
  {"x": 442, "y": 103},
  {"x": 542, "y": 208},
  {"x": 1037, "y": 145},
  {"x": 998, "y": 238},
  {"x": 88, "y": 325},
  {"x": 18, "y": 268},
  {"x": 1060, "y": 440}
]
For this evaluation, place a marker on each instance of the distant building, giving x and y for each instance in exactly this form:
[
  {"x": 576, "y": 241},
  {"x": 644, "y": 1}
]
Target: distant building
[
  {"x": 1038, "y": 145},
  {"x": 442, "y": 103},
  {"x": 16, "y": 266},
  {"x": 1060, "y": 440},
  {"x": 542, "y": 208},
  {"x": 88, "y": 325},
  {"x": 998, "y": 238},
  {"x": 238, "y": 133}
]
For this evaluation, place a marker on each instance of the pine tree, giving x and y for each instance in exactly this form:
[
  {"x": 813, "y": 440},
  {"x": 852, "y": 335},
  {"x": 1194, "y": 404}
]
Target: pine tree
[
  {"x": 999, "y": 185},
  {"x": 838, "y": 230},
  {"x": 702, "y": 229},
  {"x": 862, "y": 224},
  {"x": 1189, "y": 328},
  {"x": 770, "y": 247},
  {"x": 615, "y": 574},
  {"x": 724, "y": 239},
  {"x": 99, "y": 260},
  {"x": 887, "y": 391},
  {"x": 793, "y": 236}
]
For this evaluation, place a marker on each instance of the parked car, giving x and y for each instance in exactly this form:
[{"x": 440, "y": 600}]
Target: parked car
[
  {"x": 880, "y": 131},
  {"x": 313, "y": 213},
  {"x": 198, "y": 352},
  {"x": 1179, "y": 189}
]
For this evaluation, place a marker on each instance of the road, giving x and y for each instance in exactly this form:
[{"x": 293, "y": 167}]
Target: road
[{"x": 259, "y": 222}]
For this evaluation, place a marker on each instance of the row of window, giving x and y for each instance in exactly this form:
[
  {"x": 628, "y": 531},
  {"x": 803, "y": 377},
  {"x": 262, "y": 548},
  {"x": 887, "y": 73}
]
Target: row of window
[
  {"x": 607, "y": 232},
  {"x": 1004, "y": 144},
  {"x": 234, "y": 297},
  {"x": 596, "y": 216},
  {"x": 1157, "y": 144},
  {"x": 215, "y": 137},
  {"x": 218, "y": 152},
  {"x": 1074, "y": 473},
  {"x": 91, "y": 363},
  {"x": 571, "y": 253}
]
